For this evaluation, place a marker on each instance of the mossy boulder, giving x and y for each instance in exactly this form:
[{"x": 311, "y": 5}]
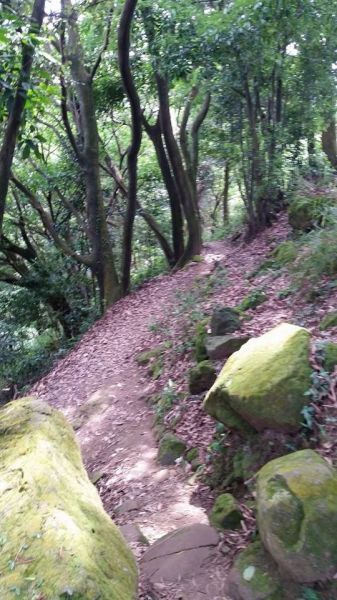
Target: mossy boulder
[
  {"x": 330, "y": 356},
  {"x": 297, "y": 515},
  {"x": 252, "y": 300},
  {"x": 302, "y": 213},
  {"x": 255, "y": 576},
  {"x": 201, "y": 377},
  {"x": 57, "y": 542},
  {"x": 226, "y": 513},
  {"x": 219, "y": 347},
  {"x": 170, "y": 449},
  {"x": 329, "y": 321},
  {"x": 225, "y": 320},
  {"x": 263, "y": 385}
]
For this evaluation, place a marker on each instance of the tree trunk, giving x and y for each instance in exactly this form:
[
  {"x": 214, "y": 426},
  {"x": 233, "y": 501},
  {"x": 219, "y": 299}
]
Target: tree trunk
[
  {"x": 104, "y": 266},
  {"x": 15, "y": 117},
  {"x": 133, "y": 151},
  {"x": 329, "y": 143},
  {"x": 177, "y": 219},
  {"x": 182, "y": 180},
  {"x": 225, "y": 193}
]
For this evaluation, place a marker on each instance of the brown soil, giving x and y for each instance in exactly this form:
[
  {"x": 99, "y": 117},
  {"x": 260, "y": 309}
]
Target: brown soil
[{"x": 103, "y": 392}]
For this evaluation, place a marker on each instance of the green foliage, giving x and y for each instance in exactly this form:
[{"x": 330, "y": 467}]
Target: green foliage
[
  {"x": 253, "y": 300},
  {"x": 316, "y": 257}
]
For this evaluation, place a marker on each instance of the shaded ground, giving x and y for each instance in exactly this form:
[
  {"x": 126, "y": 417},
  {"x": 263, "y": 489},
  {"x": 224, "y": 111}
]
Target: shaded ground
[{"x": 103, "y": 392}]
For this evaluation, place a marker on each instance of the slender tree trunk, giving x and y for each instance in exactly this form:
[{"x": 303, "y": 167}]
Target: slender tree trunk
[
  {"x": 133, "y": 151},
  {"x": 177, "y": 219},
  {"x": 225, "y": 193},
  {"x": 182, "y": 180},
  {"x": 104, "y": 266},
  {"x": 15, "y": 117},
  {"x": 329, "y": 143}
]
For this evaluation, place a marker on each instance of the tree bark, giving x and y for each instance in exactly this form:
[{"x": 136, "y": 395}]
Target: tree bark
[
  {"x": 15, "y": 117},
  {"x": 104, "y": 265},
  {"x": 329, "y": 143},
  {"x": 177, "y": 219},
  {"x": 182, "y": 180},
  {"x": 124, "y": 31}
]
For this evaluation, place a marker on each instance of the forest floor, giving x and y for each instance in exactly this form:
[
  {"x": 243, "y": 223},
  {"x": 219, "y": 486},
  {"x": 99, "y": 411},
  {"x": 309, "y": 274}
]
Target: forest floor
[{"x": 103, "y": 392}]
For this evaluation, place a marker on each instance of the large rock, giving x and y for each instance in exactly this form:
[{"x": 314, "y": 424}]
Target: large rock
[
  {"x": 56, "y": 540},
  {"x": 179, "y": 554},
  {"x": 219, "y": 347},
  {"x": 263, "y": 385},
  {"x": 297, "y": 515},
  {"x": 224, "y": 320}
]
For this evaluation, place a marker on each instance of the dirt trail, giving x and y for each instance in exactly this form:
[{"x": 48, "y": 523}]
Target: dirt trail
[
  {"x": 103, "y": 392},
  {"x": 100, "y": 389}
]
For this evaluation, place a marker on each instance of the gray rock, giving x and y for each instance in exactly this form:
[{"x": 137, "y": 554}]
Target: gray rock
[
  {"x": 133, "y": 534},
  {"x": 127, "y": 506},
  {"x": 180, "y": 554},
  {"x": 224, "y": 320},
  {"x": 220, "y": 347}
]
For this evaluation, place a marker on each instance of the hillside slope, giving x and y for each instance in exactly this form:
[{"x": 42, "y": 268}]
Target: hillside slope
[{"x": 104, "y": 393}]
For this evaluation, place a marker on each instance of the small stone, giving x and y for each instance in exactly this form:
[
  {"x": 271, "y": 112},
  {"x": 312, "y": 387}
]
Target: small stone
[
  {"x": 224, "y": 320},
  {"x": 95, "y": 476},
  {"x": 170, "y": 449},
  {"x": 201, "y": 377},
  {"x": 226, "y": 513},
  {"x": 192, "y": 454},
  {"x": 220, "y": 347},
  {"x": 133, "y": 534},
  {"x": 127, "y": 506},
  {"x": 145, "y": 357}
]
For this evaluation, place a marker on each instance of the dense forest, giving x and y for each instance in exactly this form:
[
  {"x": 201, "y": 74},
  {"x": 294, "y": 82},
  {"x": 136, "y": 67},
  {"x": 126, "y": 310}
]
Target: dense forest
[
  {"x": 168, "y": 299},
  {"x": 132, "y": 132}
]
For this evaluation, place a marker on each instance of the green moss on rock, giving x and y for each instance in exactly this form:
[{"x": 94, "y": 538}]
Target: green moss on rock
[
  {"x": 56, "y": 539},
  {"x": 330, "y": 356},
  {"x": 144, "y": 358},
  {"x": 192, "y": 454},
  {"x": 255, "y": 576},
  {"x": 329, "y": 321},
  {"x": 253, "y": 300},
  {"x": 226, "y": 513},
  {"x": 201, "y": 377},
  {"x": 263, "y": 385},
  {"x": 170, "y": 448},
  {"x": 198, "y": 341},
  {"x": 297, "y": 515}
]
